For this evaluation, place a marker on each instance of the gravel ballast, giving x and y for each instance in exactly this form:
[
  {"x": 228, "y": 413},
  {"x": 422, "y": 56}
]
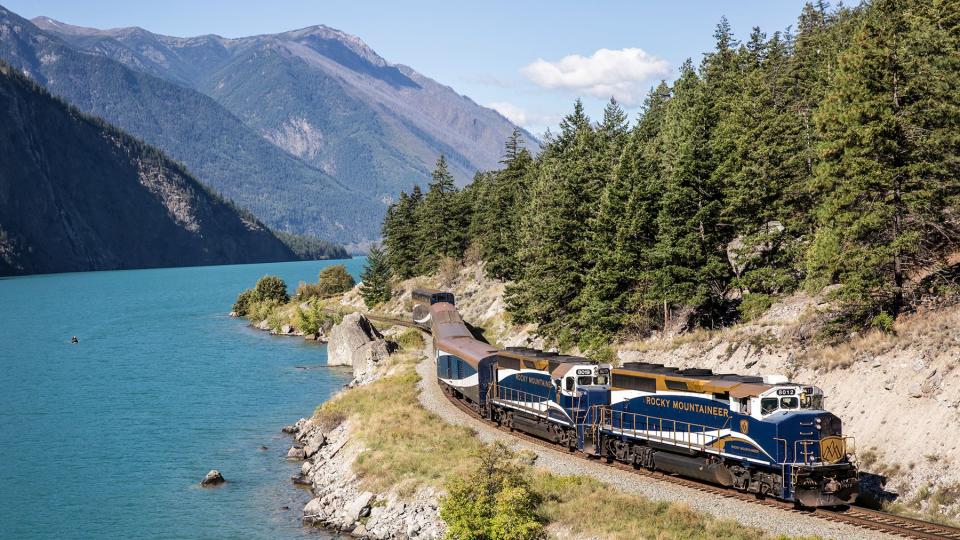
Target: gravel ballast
[{"x": 772, "y": 520}]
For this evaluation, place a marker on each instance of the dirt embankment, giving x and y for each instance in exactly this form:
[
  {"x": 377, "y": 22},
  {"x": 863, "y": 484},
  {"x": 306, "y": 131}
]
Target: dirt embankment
[{"x": 898, "y": 394}]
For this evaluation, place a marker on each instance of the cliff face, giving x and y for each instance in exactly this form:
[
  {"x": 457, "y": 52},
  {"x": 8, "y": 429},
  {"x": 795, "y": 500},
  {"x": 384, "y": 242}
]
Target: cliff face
[{"x": 77, "y": 194}]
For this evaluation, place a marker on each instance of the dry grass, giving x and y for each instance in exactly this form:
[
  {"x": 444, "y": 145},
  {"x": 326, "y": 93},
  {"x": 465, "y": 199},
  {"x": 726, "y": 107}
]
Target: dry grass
[
  {"x": 934, "y": 330},
  {"x": 700, "y": 335},
  {"x": 587, "y": 507},
  {"x": 930, "y": 503},
  {"x": 401, "y": 440},
  {"x": 406, "y": 447}
]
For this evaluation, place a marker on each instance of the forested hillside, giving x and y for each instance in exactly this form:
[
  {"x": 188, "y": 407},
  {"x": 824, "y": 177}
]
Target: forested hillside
[
  {"x": 78, "y": 194},
  {"x": 820, "y": 157}
]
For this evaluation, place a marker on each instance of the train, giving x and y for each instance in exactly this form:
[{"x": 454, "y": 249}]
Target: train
[{"x": 763, "y": 435}]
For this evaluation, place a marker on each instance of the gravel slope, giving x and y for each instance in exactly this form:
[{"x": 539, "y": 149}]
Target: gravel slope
[{"x": 772, "y": 520}]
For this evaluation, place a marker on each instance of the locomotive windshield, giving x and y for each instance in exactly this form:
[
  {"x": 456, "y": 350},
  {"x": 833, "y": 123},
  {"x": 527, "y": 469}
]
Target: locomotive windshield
[{"x": 787, "y": 399}]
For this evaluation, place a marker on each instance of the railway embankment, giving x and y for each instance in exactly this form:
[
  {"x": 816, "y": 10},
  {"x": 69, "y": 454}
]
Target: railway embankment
[
  {"x": 898, "y": 393},
  {"x": 381, "y": 457},
  {"x": 772, "y": 521}
]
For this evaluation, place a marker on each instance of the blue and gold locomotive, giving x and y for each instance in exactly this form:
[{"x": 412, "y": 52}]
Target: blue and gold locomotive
[
  {"x": 770, "y": 437},
  {"x": 760, "y": 435}
]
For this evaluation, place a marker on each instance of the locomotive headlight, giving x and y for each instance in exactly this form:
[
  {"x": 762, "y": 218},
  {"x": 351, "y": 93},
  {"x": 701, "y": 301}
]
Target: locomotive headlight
[{"x": 819, "y": 424}]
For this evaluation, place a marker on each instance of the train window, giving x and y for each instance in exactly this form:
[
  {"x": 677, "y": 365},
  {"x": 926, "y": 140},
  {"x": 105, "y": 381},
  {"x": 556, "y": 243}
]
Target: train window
[
  {"x": 569, "y": 384},
  {"x": 768, "y": 405},
  {"x": 602, "y": 380},
  {"x": 816, "y": 402},
  {"x": 789, "y": 403},
  {"x": 631, "y": 382},
  {"x": 676, "y": 385},
  {"x": 584, "y": 381}
]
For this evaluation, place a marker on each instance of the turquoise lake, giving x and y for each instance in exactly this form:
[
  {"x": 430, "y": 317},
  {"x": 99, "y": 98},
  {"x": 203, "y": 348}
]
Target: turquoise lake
[{"x": 109, "y": 438}]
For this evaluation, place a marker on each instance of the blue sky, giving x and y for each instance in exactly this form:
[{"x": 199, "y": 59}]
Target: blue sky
[{"x": 529, "y": 60}]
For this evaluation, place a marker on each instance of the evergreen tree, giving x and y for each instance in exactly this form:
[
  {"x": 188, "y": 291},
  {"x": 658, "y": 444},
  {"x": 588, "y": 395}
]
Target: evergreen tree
[
  {"x": 555, "y": 238},
  {"x": 624, "y": 229},
  {"x": 888, "y": 176},
  {"x": 498, "y": 209},
  {"x": 443, "y": 220},
  {"x": 400, "y": 234},
  {"x": 689, "y": 259},
  {"x": 375, "y": 278}
]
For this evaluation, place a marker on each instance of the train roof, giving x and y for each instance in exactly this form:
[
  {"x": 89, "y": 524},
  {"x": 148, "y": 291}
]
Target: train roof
[
  {"x": 553, "y": 362},
  {"x": 703, "y": 380},
  {"x": 451, "y": 334}
]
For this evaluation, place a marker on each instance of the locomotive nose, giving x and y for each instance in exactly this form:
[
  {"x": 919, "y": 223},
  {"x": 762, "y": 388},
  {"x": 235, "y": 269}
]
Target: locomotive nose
[{"x": 828, "y": 425}]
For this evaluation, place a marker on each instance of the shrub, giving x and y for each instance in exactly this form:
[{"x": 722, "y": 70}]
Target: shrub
[
  {"x": 410, "y": 339},
  {"x": 306, "y": 291},
  {"x": 494, "y": 502},
  {"x": 271, "y": 288},
  {"x": 334, "y": 280},
  {"x": 308, "y": 321},
  {"x": 883, "y": 321},
  {"x": 244, "y": 300},
  {"x": 754, "y": 305}
]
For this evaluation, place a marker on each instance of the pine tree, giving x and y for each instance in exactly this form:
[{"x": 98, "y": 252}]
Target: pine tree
[
  {"x": 555, "y": 238},
  {"x": 691, "y": 270},
  {"x": 443, "y": 219},
  {"x": 375, "y": 278},
  {"x": 888, "y": 176},
  {"x": 623, "y": 229},
  {"x": 498, "y": 210},
  {"x": 400, "y": 234}
]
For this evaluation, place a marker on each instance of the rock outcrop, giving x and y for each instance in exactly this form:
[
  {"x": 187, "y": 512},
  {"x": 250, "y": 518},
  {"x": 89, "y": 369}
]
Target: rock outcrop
[
  {"x": 355, "y": 342},
  {"x": 340, "y": 501}
]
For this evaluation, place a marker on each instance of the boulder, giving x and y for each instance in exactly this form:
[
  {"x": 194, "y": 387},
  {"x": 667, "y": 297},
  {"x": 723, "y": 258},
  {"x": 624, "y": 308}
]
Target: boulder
[
  {"x": 355, "y": 342},
  {"x": 358, "y": 508},
  {"x": 213, "y": 478},
  {"x": 313, "y": 512},
  {"x": 313, "y": 446},
  {"x": 286, "y": 329},
  {"x": 296, "y": 453}
]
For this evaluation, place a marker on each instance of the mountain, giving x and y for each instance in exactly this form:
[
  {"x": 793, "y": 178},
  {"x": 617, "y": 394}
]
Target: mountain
[
  {"x": 322, "y": 95},
  {"x": 226, "y": 154},
  {"x": 79, "y": 194}
]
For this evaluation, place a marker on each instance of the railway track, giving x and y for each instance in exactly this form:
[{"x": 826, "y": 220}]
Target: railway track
[
  {"x": 865, "y": 518},
  {"x": 872, "y": 520}
]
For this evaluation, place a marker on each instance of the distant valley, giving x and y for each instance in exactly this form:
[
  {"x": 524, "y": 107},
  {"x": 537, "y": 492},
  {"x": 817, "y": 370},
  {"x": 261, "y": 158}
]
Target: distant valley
[{"x": 310, "y": 130}]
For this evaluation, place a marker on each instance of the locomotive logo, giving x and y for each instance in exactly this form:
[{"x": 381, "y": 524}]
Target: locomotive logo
[
  {"x": 744, "y": 426},
  {"x": 832, "y": 449}
]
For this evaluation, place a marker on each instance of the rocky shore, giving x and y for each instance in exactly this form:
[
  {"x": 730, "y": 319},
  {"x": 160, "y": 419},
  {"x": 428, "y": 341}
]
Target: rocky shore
[{"x": 328, "y": 452}]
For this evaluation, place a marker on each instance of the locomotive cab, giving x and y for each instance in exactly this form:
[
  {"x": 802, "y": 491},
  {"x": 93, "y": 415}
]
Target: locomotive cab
[
  {"x": 582, "y": 387},
  {"x": 811, "y": 445}
]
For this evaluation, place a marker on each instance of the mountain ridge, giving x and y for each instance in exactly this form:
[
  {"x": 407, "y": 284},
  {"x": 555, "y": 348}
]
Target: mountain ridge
[
  {"x": 79, "y": 194},
  {"x": 324, "y": 84},
  {"x": 191, "y": 127}
]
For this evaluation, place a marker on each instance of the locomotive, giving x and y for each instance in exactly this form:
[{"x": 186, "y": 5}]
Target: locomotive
[{"x": 763, "y": 435}]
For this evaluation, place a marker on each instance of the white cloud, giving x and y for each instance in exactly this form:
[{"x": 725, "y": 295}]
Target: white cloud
[
  {"x": 522, "y": 117},
  {"x": 513, "y": 113},
  {"x": 618, "y": 73}
]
